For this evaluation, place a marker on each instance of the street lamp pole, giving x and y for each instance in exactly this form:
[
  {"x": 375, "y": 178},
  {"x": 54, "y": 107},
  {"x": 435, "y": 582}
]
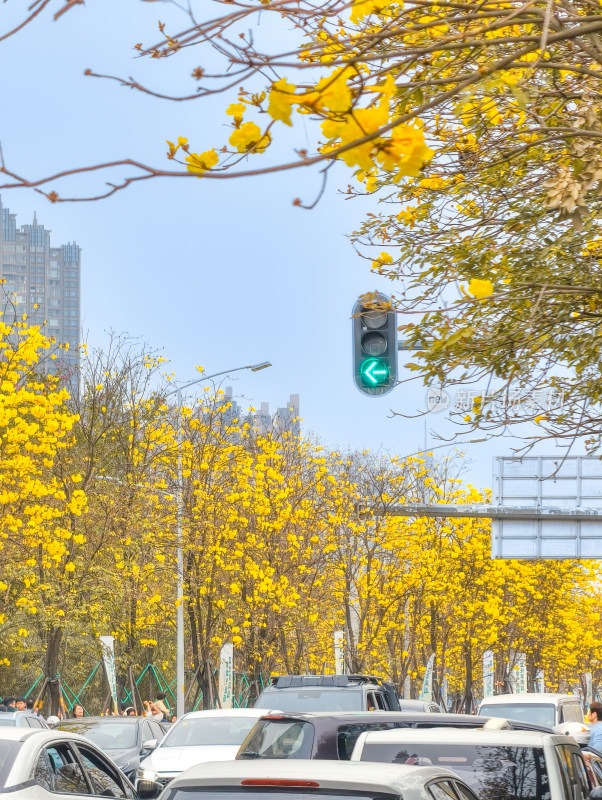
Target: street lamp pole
[{"x": 180, "y": 677}]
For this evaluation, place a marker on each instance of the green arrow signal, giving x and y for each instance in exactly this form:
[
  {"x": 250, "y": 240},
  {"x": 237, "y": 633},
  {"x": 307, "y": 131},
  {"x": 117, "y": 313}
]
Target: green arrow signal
[{"x": 375, "y": 371}]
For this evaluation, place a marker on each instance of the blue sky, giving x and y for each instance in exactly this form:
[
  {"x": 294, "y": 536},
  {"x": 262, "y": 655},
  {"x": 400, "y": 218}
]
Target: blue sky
[{"x": 216, "y": 274}]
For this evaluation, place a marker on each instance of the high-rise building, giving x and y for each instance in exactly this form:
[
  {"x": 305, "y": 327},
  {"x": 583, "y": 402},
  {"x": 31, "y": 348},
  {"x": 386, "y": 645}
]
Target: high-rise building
[
  {"x": 41, "y": 281},
  {"x": 283, "y": 419}
]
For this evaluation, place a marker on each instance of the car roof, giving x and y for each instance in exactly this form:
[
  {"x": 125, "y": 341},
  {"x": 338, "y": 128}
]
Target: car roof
[
  {"x": 528, "y": 697},
  {"x": 110, "y": 718},
  {"x": 227, "y": 712},
  {"x": 21, "y": 734},
  {"x": 466, "y": 736},
  {"x": 389, "y": 778},
  {"x": 381, "y": 716}
]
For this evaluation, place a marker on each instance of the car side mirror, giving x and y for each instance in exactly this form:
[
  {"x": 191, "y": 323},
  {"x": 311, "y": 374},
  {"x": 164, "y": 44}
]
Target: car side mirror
[
  {"x": 149, "y": 789},
  {"x": 151, "y": 744},
  {"x": 595, "y": 794}
]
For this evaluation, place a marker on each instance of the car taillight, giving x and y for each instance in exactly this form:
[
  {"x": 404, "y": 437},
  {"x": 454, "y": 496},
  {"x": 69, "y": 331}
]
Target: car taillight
[{"x": 278, "y": 782}]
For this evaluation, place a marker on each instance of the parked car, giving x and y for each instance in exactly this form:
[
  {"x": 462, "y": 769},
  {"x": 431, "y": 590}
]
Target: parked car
[
  {"x": 39, "y": 764},
  {"x": 197, "y": 737},
  {"x": 121, "y": 738},
  {"x": 538, "y": 707},
  {"x": 22, "y": 719},
  {"x": 326, "y": 780},
  {"x": 327, "y": 735},
  {"x": 503, "y": 764},
  {"x": 328, "y": 693}
]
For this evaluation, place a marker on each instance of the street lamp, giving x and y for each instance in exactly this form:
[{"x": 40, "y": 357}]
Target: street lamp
[{"x": 180, "y": 679}]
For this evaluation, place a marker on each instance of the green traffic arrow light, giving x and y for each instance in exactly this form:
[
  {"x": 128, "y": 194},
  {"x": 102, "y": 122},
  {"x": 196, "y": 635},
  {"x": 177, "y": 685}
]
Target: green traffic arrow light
[{"x": 375, "y": 372}]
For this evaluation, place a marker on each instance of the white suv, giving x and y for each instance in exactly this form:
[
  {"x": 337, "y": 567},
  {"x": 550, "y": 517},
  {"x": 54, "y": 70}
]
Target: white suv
[{"x": 502, "y": 764}]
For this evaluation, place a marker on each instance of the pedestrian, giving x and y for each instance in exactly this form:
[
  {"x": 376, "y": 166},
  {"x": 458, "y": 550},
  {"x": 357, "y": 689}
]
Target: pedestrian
[
  {"x": 53, "y": 720},
  {"x": 595, "y": 717},
  {"x": 78, "y": 711},
  {"x": 151, "y": 710},
  {"x": 161, "y": 706},
  {"x": 21, "y": 704},
  {"x": 31, "y": 705},
  {"x": 130, "y": 711},
  {"x": 10, "y": 703}
]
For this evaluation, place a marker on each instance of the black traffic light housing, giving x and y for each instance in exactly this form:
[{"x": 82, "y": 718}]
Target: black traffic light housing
[{"x": 374, "y": 345}]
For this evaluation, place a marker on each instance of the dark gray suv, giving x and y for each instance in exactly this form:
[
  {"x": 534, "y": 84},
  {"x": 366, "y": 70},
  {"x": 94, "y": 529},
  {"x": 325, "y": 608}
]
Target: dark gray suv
[{"x": 328, "y": 693}]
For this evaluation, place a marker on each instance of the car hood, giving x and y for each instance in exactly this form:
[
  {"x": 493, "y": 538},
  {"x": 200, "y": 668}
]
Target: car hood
[{"x": 177, "y": 759}]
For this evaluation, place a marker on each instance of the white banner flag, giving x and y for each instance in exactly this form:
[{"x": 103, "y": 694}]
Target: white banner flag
[
  {"x": 589, "y": 688},
  {"x": 226, "y": 675},
  {"x": 488, "y": 673},
  {"x": 520, "y": 686},
  {"x": 339, "y": 652},
  {"x": 426, "y": 693},
  {"x": 107, "y": 644}
]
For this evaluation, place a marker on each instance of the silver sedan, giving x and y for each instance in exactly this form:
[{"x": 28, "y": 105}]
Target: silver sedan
[{"x": 47, "y": 764}]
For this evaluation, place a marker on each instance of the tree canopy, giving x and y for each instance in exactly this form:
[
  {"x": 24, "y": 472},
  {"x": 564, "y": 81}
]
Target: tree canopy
[{"x": 478, "y": 126}]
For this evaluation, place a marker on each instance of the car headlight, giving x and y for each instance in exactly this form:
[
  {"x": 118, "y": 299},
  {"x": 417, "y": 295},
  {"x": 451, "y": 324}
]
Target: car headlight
[{"x": 146, "y": 775}]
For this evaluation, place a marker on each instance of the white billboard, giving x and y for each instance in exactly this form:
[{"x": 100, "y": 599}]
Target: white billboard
[{"x": 565, "y": 496}]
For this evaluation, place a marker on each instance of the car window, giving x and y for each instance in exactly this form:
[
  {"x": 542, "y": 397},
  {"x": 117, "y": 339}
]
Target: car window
[
  {"x": 581, "y": 773},
  {"x": 58, "y": 771},
  {"x": 147, "y": 732},
  {"x": 573, "y": 712},
  {"x": 572, "y": 778},
  {"x": 347, "y": 735},
  {"x": 381, "y": 700},
  {"x": 43, "y": 773},
  {"x": 310, "y": 699},
  {"x": 493, "y": 771},
  {"x": 34, "y": 723},
  {"x": 107, "y": 733},
  {"x": 278, "y": 739},
  {"x": 157, "y": 731},
  {"x": 464, "y": 792},
  {"x": 537, "y": 713},
  {"x": 442, "y": 790},
  {"x": 102, "y": 777}
]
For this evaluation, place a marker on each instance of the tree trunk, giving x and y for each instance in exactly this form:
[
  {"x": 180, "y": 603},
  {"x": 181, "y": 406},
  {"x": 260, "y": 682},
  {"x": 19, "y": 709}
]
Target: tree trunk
[{"x": 54, "y": 638}]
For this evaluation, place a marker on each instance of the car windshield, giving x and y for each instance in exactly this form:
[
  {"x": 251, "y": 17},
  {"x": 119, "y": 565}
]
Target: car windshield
[
  {"x": 312, "y": 700},
  {"x": 537, "y": 713},
  {"x": 208, "y": 731},
  {"x": 106, "y": 734},
  {"x": 271, "y": 738},
  {"x": 492, "y": 771}
]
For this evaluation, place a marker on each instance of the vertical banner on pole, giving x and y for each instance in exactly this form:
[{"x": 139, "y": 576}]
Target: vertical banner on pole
[
  {"x": 107, "y": 644},
  {"x": 521, "y": 673},
  {"x": 488, "y": 673},
  {"x": 226, "y": 675},
  {"x": 589, "y": 688},
  {"x": 445, "y": 690},
  {"x": 426, "y": 693},
  {"x": 339, "y": 652}
]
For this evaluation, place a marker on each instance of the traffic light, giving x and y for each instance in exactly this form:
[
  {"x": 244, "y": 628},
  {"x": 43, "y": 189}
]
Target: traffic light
[{"x": 374, "y": 345}]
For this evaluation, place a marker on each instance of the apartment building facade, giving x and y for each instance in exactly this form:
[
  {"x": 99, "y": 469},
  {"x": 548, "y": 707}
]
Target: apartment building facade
[{"x": 43, "y": 282}]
